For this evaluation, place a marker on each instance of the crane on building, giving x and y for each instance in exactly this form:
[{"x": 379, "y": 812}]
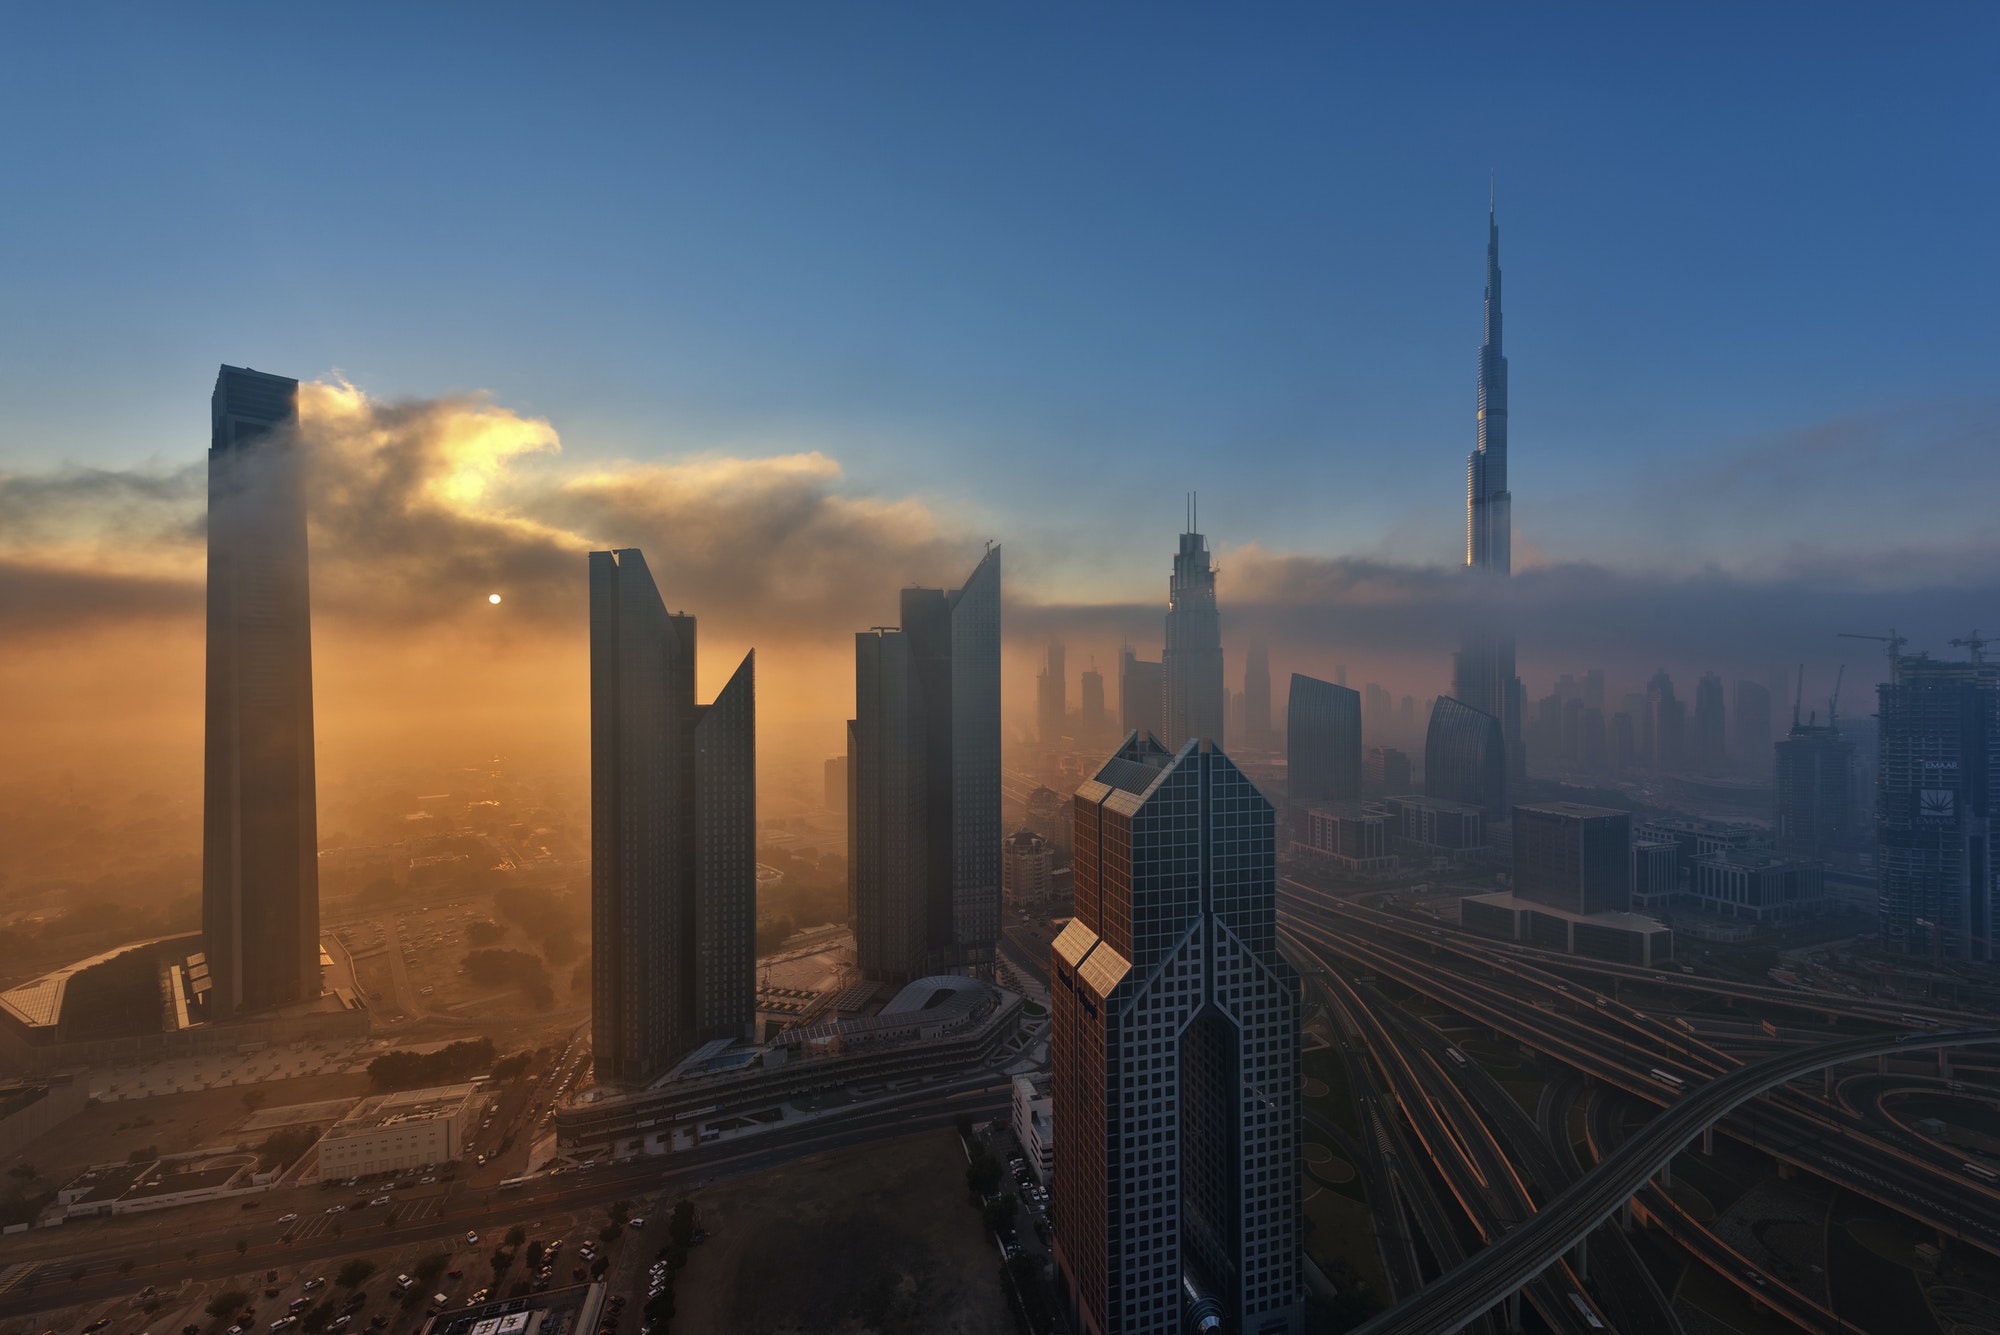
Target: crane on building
[
  {"x": 1833, "y": 702},
  {"x": 1892, "y": 639},
  {"x": 1799, "y": 695},
  {"x": 1972, "y": 642}
]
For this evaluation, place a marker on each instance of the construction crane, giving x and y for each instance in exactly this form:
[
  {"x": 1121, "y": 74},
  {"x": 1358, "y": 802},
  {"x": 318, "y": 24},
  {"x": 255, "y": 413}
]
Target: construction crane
[
  {"x": 1974, "y": 643},
  {"x": 1799, "y": 695},
  {"x": 1833, "y": 703},
  {"x": 1892, "y": 639}
]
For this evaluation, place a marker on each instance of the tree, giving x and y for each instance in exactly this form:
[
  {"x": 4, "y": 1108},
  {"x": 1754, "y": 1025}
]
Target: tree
[
  {"x": 610, "y": 1232},
  {"x": 1000, "y": 1213},
  {"x": 226, "y": 1304},
  {"x": 516, "y": 1236},
  {"x": 287, "y": 1145},
  {"x": 660, "y": 1308},
  {"x": 502, "y": 1261},
  {"x": 355, "y": 1273},
  {"x": 964, "y": 1125},
  {"x": 316, "y": 1317},
  {"x": 599, "y": 1266},
  {"x": 982, "y": 1175},
  {"x": 430, "y": 1267},
  {"x": 242, "y": 1246},
  {"x": 536, "y": 1250},
  {"x": 681, "y": 1227}
]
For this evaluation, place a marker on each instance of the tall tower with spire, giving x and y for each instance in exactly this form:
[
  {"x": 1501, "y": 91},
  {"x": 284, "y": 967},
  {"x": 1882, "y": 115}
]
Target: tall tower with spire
[
  {"x": 1483, "y": 672},
  {"x": 1196, "y": 700}
]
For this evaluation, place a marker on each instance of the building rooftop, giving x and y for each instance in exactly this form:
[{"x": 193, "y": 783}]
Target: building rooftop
[
  {"x": 567, "y": 1311},
  {"x": 411, "y": 1105},
  {"x": 1574, "y": 810}
]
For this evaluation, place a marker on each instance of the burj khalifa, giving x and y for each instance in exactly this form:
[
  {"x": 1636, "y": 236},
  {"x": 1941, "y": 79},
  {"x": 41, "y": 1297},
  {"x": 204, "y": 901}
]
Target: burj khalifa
[{"x": 1483, "y": 672}]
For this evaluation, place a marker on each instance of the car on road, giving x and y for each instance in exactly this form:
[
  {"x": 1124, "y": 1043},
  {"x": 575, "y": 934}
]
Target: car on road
[
  {"x": 342, "y": 1322},
  {"x": 315, "y": 1282},
  {"x": 97, "y": 1325},
  {"x": 471, "y": 1239},
  {"x": 637, "y": 1221},
  {"x": 380, "y": 1200},
  {"x": 335, "y": 1209},
  {"x": 288, "y": 1218},
  {"x": 478, "y": 1297},
  {"x": 284, "y": 1323}
]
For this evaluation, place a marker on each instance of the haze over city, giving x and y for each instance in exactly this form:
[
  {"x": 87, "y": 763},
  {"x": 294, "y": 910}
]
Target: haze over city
[{"x": 540, "y": 337}]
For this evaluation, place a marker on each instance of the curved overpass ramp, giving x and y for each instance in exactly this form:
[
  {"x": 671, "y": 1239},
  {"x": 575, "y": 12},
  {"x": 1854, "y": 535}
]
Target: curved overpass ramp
[{"x": 1498, "y": 1270}]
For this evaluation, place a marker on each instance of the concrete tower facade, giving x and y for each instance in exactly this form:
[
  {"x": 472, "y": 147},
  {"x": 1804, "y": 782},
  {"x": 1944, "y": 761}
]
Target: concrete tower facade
[
  {"x": 260, "y": 832},
  {"x": 673, "y": 834},
  {"x": 1174, "y": 1051}
]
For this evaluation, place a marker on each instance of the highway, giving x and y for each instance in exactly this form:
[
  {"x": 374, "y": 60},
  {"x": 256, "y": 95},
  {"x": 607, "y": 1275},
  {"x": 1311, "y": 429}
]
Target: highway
[
  {"x": 982, "y": 1095},
  {"x": 1525, "y": 1252},
  {"x": 1619, "y": 1046}
]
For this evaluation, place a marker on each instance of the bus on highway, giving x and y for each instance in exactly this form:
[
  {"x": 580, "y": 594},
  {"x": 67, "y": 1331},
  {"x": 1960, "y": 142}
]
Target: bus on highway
[
  {"x": 1668, "y": 1078},
  {"x": 1982, "y": 1172},
  {"x": 509, "y": 1183}
]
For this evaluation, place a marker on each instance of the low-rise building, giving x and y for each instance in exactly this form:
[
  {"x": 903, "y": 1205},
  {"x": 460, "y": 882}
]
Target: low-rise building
[
  {"x": 1355, "y": 838},
  {"x": 1758, "y": 885},
  {"x": 568, "y": 1311},
  {"x": 1034, "y": 1125},
  {"x": 404, "y": 1130},
  {"x": 1656, "y": 874},
  {"x": 1027, "y": 867},
  {"x": 1435, "y": 825}
]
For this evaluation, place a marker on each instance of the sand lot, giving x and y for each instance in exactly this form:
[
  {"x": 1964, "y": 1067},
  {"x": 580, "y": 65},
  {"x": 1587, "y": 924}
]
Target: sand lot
[{"x": 882, "y": 1238}]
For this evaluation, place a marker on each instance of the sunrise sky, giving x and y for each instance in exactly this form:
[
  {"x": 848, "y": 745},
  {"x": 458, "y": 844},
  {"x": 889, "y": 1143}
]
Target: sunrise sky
[{"x": 810, "y": 301}]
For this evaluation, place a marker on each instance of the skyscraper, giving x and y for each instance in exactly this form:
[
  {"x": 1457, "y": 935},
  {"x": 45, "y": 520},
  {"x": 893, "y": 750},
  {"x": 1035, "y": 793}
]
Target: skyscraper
[
  {"x": 1193, "y": 660},
  {"x": 1142, "y": 694},
  {"x": 1093, "y": 719},
  {"x": 1710, "y": 749},
  {"x": 1668, "y": 718},
  {"x": 1173, "y": 1050},
  {"x": 1750, "y": 727},
  {"x": 673, "y": 834},
  {"x": 924, "y": 813},
  {"x": 1322, "y": 742},
  {"x": 1257, "y": 698},
  {"x": 1465, "y": 757},
  {"x": 260, "y": 832},
  {"x": 1483, "y": 670},
  {"x": 1813, "y": 778},
  {"x": 1938, "y": 755},
  {"x": 1052, "y": 697}
]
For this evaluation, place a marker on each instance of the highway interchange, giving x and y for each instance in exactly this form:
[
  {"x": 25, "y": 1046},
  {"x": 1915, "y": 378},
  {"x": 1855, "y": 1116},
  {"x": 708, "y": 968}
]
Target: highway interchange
[
  {"x": 1474, "y": 1198},
  {"x": 1478, "y": 1157}
]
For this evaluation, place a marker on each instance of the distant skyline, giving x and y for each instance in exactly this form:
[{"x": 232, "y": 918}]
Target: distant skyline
[{"x": 1746, "y": 258}]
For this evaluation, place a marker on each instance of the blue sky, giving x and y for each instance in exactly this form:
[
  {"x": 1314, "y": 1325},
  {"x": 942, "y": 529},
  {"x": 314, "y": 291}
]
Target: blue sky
[{"x": 1048, "y": 269}]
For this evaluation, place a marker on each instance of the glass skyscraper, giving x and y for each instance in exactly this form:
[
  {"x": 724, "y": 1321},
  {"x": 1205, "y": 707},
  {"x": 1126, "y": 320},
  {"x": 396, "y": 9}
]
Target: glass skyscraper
[
  {"x": 1465, "y": 757},
  {"x": 1192, "y": 664},
  {"x": 673, "y": 834},
  {"x": 1483, "y": 670},
  {"x": 1174, "y": 1053},
  {"x": 923, "y": 809},
  {"x": 260, "y": 833},
  {"x": 1322, "y": 741}
]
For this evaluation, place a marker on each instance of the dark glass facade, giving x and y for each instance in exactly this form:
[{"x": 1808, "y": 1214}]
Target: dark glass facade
[
  {"x": 1173, "y": 1049},
  {"x": 924, "y": 806},
  {"x": 1465, "y": 756},
  {"x": 260, "y": 832},
  {"x": 1573, "y": 857},
  {"x": 1322, "y": 741},
  {"x": 673, "y": 818}
]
